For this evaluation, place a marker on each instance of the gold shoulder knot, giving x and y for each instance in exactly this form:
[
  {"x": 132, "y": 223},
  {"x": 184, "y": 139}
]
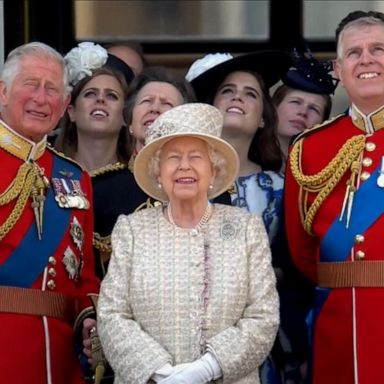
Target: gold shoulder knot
[{"x": 325, "y": 180}]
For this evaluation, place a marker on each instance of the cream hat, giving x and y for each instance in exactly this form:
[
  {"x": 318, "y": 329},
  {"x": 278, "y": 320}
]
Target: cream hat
[{"x": 195, "y": 120}]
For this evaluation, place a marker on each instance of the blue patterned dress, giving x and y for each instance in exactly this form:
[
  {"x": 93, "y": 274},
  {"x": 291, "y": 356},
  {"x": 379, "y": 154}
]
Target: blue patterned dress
[{"x": 262, "y": 193}]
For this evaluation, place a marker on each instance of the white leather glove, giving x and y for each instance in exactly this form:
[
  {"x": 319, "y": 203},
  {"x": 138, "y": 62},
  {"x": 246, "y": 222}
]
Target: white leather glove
[
  {"x": 200, "y": 371},
  {"x": 166, "y": 371}
]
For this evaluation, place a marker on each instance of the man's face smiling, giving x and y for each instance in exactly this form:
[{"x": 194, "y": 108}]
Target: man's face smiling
[
  {"x": 360, "y": 65},
  {"x": 35, "y": 101}
]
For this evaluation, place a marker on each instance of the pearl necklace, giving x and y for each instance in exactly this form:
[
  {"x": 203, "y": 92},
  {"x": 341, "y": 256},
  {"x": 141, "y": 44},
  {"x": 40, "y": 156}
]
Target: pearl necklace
[{"x": 204, "y": 219}]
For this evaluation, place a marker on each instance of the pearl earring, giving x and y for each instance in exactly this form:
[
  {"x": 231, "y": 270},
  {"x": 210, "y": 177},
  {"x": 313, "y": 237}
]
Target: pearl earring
[
  {"x": 159, "y": 186},
  {"x": 210, "y": 186}
]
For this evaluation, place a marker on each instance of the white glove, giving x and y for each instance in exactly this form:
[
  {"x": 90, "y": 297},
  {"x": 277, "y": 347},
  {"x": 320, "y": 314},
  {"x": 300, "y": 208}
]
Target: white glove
[
  {"x": 200, "y": 371},
  {"x": 166, "y": 371}
]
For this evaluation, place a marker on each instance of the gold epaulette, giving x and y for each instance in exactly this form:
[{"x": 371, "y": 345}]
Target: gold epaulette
[
  {"x": 326, "y": 179},
  {"x": 317, "y": 127}
]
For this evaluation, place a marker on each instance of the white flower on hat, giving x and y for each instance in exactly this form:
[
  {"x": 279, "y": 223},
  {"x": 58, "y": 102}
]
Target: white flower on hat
[
  {"x": 207, "y": 62},
  {"x": 82, "y": 59}
]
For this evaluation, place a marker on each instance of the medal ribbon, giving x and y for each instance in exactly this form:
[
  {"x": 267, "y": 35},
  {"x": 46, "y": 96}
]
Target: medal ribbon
[{"x": 31, "y": 256}]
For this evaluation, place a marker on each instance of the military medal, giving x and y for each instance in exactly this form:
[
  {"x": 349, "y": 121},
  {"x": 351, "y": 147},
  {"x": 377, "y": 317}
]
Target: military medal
[
  {"x": 80, "y": 198},
  {"x": 60, "y": 194},
  {"x": 71, "y": 263},
  {"x": 77, "y": 234},
  {"x": 68, "y": 193}
]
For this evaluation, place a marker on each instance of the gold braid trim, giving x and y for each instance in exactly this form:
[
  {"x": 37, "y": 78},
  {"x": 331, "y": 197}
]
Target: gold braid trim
[
  {"x": 16, "y": 186},
  {"x": 324, "y": 181},
  {"x": 102, "y": 243},
  {"x": 108, "y": 168},
  {"x": 20, "y": 188}
]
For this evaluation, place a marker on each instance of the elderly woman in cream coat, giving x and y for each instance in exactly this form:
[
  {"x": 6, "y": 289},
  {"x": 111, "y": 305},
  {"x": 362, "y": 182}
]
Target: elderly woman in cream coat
[{"x": 190, "y": 294}]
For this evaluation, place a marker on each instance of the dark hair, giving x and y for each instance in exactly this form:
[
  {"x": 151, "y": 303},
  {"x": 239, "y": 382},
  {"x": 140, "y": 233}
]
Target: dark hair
[
  {"x": 355, "y": 15},
  {"x": 149, "y": 75},
  {"x": 67, "y": 140},
  {"x": 283, "y": 90},
  {"x": 135, "y": 46},
  {"x": 264, "y": 149}
]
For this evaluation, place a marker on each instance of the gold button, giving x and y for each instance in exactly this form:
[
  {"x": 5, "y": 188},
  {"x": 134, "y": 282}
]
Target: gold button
[
  {"x": 365, "y": 175},
  {"x": 52, "y": 272},
  {"x": 52, "y": 260},
  {"x": 51, "y": 284},
  {"x": 360, "y": 255},
  {"x": 369, "y": 146},
  {"x": 359, "y": 239},
  {"x": 367, "y": 161}
]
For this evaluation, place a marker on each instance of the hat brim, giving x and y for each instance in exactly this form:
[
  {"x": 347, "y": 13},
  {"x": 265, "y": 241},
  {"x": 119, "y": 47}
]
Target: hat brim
[
  {"x": 297, "y": 80},
  {"x": 270, "y": 65},
  {"x": 150, "y": 186},
  {"x": 118, "y": 64}
]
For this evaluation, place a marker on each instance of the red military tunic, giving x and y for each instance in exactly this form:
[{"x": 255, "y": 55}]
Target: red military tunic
[
  {"x": 348, "y": 330},
  {"x": 40, "y": 349}
]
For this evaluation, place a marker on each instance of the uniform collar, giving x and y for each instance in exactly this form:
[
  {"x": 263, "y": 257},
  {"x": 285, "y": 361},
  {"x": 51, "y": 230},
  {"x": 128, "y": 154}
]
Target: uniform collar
[
  {"x": 19, "y": 146},
  {"x": 368, "y": 123}
]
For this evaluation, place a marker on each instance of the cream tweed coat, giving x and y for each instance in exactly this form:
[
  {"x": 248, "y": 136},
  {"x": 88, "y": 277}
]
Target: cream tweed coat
[{"x": 170, "y": 295}]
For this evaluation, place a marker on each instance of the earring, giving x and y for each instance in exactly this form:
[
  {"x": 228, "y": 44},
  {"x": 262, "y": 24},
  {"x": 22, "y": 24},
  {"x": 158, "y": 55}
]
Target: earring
[
  {"x": 159, "y": 185},
  {"x": 261, "y": 123},
  {"x": 210, "y": 186}
]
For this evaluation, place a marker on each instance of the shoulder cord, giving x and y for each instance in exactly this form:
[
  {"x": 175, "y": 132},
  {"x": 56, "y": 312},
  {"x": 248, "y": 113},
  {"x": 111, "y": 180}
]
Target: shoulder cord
[
  {"x": 28, "y": 182},
  {"x": 326, "y": 180}
]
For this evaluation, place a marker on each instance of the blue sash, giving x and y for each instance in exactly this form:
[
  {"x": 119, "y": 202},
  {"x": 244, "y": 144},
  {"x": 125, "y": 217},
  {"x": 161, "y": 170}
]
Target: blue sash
[
  {"x": 31, "y": 256},
  {"x": 368, "y": 206},
  {"x": 336, "y": 245}
]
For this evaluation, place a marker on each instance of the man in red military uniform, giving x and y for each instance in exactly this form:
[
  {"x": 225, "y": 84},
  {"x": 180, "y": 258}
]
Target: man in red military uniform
[
  {"x": 334, "y": 212},
  {"x": 46, "y": 260}
]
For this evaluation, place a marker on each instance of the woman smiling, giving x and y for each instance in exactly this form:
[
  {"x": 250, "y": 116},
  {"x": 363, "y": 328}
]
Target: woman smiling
[{"x": 190, "y": 292}]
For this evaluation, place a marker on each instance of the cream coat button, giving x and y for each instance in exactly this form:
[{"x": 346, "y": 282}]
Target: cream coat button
[
  {"x": 369, "y": 146},
  {"x": 367, "y": 161},
  {"x": 52, "y": 260},
  {"x": 51, "y": 284},
  {"x": 359, "y": 238},
  {"x": 360, "y": 255},
  {"x": 365, "y": 175}
]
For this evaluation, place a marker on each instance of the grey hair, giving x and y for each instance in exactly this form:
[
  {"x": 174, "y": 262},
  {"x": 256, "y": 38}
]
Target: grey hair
[
  {"x": 12, "y": 64},
  {"x": 361, "y": 22},
  {"x": 217, "y": 159}
]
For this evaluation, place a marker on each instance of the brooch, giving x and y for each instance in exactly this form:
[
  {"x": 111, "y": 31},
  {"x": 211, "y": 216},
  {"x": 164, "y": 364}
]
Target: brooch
[{"x": 228, "y": 230}]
